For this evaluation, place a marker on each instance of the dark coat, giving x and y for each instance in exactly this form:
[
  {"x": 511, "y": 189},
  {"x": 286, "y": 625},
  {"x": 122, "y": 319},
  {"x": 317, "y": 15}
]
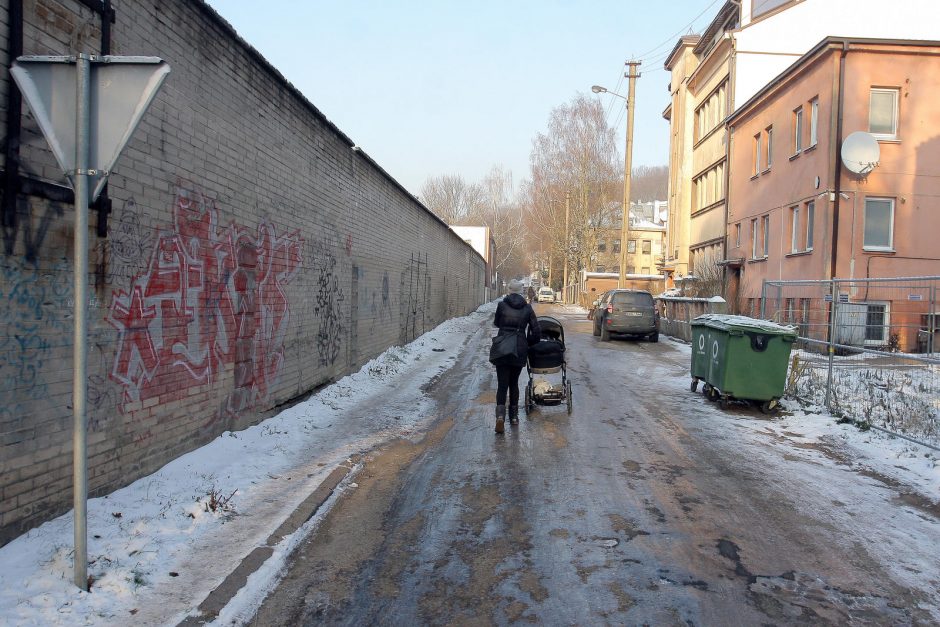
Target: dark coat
[{"x": 514, "y": 313}]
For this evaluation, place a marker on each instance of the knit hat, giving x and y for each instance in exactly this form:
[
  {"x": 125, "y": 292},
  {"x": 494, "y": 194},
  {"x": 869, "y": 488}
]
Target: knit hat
[{"x": 516, "y": 286}]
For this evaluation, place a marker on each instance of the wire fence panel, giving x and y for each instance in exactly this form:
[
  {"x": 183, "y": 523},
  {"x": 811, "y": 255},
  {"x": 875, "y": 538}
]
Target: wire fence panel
[{"x": 867, "y": 349}]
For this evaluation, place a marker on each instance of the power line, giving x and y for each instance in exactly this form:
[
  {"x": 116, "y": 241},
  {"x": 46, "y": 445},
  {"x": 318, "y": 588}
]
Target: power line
[{"x": 671, "y": 38}]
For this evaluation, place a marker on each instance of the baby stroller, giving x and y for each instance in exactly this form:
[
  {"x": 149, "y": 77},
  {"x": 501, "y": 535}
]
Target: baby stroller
[{"x": 547, "y": 357}]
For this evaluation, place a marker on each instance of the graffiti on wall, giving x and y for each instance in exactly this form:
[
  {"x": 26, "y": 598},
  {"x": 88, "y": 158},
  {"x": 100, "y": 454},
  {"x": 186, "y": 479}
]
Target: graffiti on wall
[
  {"x": 35, "y": 325},
  {"x": 211, "y": 298},
  {"x": 415, "y": 294},
  {"x": 329, "y": 296}
]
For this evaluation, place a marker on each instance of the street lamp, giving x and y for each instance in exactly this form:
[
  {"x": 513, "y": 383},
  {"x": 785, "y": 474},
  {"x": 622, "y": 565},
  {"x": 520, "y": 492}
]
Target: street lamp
[{"x": 627, "y": 167}]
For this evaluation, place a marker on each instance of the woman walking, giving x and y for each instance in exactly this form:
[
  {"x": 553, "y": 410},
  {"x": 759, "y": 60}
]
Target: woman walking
[{"x": 513, "y": 316}]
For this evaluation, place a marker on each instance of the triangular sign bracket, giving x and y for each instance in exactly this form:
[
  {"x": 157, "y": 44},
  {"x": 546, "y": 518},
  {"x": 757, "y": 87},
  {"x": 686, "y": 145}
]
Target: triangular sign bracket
[{"x": 122, "y": 88}]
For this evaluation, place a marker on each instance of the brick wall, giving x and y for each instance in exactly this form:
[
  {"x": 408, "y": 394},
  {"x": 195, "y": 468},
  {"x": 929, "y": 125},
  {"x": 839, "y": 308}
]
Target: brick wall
[{"x": 252, "y": 254}]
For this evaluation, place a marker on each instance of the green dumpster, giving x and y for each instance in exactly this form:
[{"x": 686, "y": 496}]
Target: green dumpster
[{"x": 741, "y": 358}]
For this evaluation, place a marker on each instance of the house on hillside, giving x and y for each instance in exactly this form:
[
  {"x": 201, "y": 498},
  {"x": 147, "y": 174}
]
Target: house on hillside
[{"x": 796, "y": 209}]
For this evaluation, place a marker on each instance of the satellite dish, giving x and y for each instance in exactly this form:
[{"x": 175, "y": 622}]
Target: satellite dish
[{"x": 860, "y": 153}]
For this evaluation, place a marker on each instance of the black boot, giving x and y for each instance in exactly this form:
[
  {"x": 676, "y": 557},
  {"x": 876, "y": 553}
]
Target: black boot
[
  {"x": 500, "y": 418},
  {"x": 513, "y": 414}
]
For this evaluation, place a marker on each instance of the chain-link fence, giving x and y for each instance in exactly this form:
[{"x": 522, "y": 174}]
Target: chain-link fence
[{"x": 868, "y": 349}]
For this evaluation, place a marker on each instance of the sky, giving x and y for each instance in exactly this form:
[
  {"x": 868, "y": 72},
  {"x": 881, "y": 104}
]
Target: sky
[
  {"x": 454, "y": 88},
  {"x": 155, "y": 551}
]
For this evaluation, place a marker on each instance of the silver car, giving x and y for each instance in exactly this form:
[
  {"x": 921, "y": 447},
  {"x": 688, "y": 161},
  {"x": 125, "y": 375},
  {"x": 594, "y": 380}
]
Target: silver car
[{"x": 630, "y": 312}]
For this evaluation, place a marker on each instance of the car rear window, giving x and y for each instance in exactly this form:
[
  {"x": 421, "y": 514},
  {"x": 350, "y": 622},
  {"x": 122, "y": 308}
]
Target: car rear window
[
  {"x": 640, "y": 299},
  {"x": 546, "y": 290}
]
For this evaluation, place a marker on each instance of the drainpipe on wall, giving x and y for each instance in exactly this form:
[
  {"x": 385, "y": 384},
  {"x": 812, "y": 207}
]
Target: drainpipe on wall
[{"x": 835, "y": 152}]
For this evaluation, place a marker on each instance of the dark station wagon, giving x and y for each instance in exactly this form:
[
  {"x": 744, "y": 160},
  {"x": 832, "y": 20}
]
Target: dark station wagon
[{"x": 630, "y": 312}]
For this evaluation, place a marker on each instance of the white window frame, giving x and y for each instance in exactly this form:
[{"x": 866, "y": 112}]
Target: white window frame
[
  {"x": 798, "y": 130},
  {"x": 886, "y": 325},
  {"x": 814, "y": 122},
  {"x": 795, "y": 229},
  {"x": 737, "y": 235},
  {"x": 757, "y": 151},
  {"x": 754, "y": 234},
  {"x": 879, "y": 247},
  {"x": 765, "y": 223},
  {"x": 810, "y": 219},
  {"x": 769, "y": 131},
  {"x": 894, "y": 114}
]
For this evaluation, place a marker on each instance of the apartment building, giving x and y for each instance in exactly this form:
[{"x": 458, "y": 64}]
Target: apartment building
[{"x": 797, "y": 210}]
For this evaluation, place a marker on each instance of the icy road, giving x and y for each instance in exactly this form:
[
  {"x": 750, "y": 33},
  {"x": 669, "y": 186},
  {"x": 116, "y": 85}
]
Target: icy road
[{"x": 648, "y": 505}]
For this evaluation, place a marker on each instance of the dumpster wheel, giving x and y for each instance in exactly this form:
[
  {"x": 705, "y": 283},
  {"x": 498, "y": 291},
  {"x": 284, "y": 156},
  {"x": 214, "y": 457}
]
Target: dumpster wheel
[
  {"x": 770, "y": 407},
  {"x": 710, "y": 392},
  {"x": 694, "y": 386}
]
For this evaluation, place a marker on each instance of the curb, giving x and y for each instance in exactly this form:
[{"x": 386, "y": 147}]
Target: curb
[{"x": 213, "y": 604}]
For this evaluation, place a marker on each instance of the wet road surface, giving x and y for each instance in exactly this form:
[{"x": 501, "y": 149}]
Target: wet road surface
[{"x": 642, "y": 507}]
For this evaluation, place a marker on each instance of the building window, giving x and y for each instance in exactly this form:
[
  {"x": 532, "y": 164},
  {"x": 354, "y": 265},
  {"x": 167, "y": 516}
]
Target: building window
[
  {"x": 601, "y": 246},
  {"x": 631, "y": 246},
  {"x": 631, "y": 270},
  {"x": 765, "y": 222},
  {"x": 883, "y": 113},
  {"x": 708, "y": 187},
  {"x": 879, "y": 224},
  {"x": 754, "y": 239},
  {"x": 797, "y": 130},
  {"x": 876, "y": 324},
  {"x": 616, "y": 247},
  {"x": 615, "y": 269},
  {"x": 769, "y": 134},
  {"x": 795, "y": 232},
  {"x": 600, "y": 269},
  {"x": 647, "y": 247},
  {"x": 710, "y": 114},
  {"x": 810, "y": 218},
  {"x": 813, "y": 121},
  {"x": 757, "y": 149},
  {"x": 737, "y": 235},
  {"x": 644, "y": 270}
]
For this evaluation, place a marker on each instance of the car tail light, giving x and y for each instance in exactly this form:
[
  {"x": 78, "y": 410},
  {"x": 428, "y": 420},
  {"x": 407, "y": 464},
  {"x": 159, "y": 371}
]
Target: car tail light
[{"x": 610, "y": 308}]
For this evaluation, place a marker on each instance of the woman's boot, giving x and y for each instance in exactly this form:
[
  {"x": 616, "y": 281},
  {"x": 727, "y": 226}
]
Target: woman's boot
[
  {"x": 513, "y": 414},
  {"x": 500, "y": 418}
]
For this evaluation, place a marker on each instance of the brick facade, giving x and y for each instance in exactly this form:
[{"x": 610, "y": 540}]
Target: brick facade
[{"x": 251, "y": 255}]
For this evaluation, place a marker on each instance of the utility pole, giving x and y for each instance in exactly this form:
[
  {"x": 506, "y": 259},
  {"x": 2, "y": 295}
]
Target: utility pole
[
  {"x": 564, "y": 283},
  {"x": 627, "y": 174}
]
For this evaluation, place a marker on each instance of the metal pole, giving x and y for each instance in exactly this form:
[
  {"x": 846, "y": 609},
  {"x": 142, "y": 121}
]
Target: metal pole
[
  {"x": 627, "y": 175},
  {"x": 763, "y": 298},
  {"x": 834, "y": 292},
  {"x": 564, "y": 280},
  {"x": 80, "y": 183}
]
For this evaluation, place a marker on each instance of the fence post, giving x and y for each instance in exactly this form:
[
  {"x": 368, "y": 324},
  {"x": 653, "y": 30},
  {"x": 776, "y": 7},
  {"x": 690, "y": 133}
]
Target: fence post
[
  {"x": 833, "y": 291},
  {"x": 763, "y": 297},
  {"x": 931, "y": 318}
]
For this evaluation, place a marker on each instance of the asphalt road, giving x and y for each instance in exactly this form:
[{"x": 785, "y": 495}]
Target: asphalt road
[{"x": 642, "y": 507}]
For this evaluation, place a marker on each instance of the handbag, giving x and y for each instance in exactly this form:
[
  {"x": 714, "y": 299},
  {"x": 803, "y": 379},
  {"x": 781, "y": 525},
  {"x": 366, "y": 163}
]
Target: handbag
[{"x": 504, "y": 345}]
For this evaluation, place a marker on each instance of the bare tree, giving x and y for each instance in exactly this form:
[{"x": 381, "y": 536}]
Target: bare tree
[
  {"x": 500, "y": 211},
  {"x": 451, "y": 198},
  {"x": 574, "y": 165},
  {"x": 649, "y": 183},
  {"x": 709, "y": 278}
]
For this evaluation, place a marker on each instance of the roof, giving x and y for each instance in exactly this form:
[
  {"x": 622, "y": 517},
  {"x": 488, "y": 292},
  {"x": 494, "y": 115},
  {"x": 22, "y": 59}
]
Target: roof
[
  {"x": 722, "y": 18},
  {"x": 685, "y": 40},
  {"x": 826, "y": 44}
]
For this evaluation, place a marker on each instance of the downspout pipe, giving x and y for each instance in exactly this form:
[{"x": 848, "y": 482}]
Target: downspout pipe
[{"x": 837, "y": 177}]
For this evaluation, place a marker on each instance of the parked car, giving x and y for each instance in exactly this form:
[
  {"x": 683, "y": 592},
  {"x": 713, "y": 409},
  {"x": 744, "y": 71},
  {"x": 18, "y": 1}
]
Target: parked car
[
  {"x": 630, "y": 312},
  {"x": 546, "y": 295}
]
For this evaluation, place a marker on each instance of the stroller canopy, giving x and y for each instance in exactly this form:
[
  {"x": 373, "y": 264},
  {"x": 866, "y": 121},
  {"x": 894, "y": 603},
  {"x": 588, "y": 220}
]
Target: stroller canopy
[{"x": 552, "y": 328}]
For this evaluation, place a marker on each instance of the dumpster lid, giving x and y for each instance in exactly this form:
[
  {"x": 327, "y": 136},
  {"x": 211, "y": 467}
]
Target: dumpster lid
[{"x": 727, "y": 322}]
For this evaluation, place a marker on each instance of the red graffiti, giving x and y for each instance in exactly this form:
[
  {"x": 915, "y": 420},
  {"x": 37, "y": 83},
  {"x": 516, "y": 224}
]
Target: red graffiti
[{"x": 211, "y": 300}]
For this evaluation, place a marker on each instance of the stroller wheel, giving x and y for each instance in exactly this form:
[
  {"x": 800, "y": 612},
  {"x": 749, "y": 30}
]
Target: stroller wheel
[{"x": 568, "y": 394}]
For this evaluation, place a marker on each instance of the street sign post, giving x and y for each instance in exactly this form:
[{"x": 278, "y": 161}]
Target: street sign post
[{"x": 87, "y": 107}]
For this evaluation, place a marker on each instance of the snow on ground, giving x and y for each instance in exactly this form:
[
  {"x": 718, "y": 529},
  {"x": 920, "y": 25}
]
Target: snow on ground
[{"x": 156, "y": 549}]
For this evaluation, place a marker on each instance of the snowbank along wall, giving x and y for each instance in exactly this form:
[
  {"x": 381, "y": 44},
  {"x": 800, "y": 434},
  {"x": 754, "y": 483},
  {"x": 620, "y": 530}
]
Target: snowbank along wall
[{"x": 251, "y": 254}]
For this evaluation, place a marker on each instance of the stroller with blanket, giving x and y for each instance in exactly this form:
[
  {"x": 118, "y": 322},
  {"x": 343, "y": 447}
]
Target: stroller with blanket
[{"x": 547, "y": 357}]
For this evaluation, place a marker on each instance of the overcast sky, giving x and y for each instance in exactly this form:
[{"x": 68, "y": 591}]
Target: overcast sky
[{"x": 431, "y": 88}]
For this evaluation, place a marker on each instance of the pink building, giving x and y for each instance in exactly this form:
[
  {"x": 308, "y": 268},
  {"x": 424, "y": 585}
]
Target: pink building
[{"x": 795, "y": 211}]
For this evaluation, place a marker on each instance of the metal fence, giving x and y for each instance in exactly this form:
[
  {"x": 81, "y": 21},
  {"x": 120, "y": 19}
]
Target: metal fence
[{"x": 867, "y": 349}]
